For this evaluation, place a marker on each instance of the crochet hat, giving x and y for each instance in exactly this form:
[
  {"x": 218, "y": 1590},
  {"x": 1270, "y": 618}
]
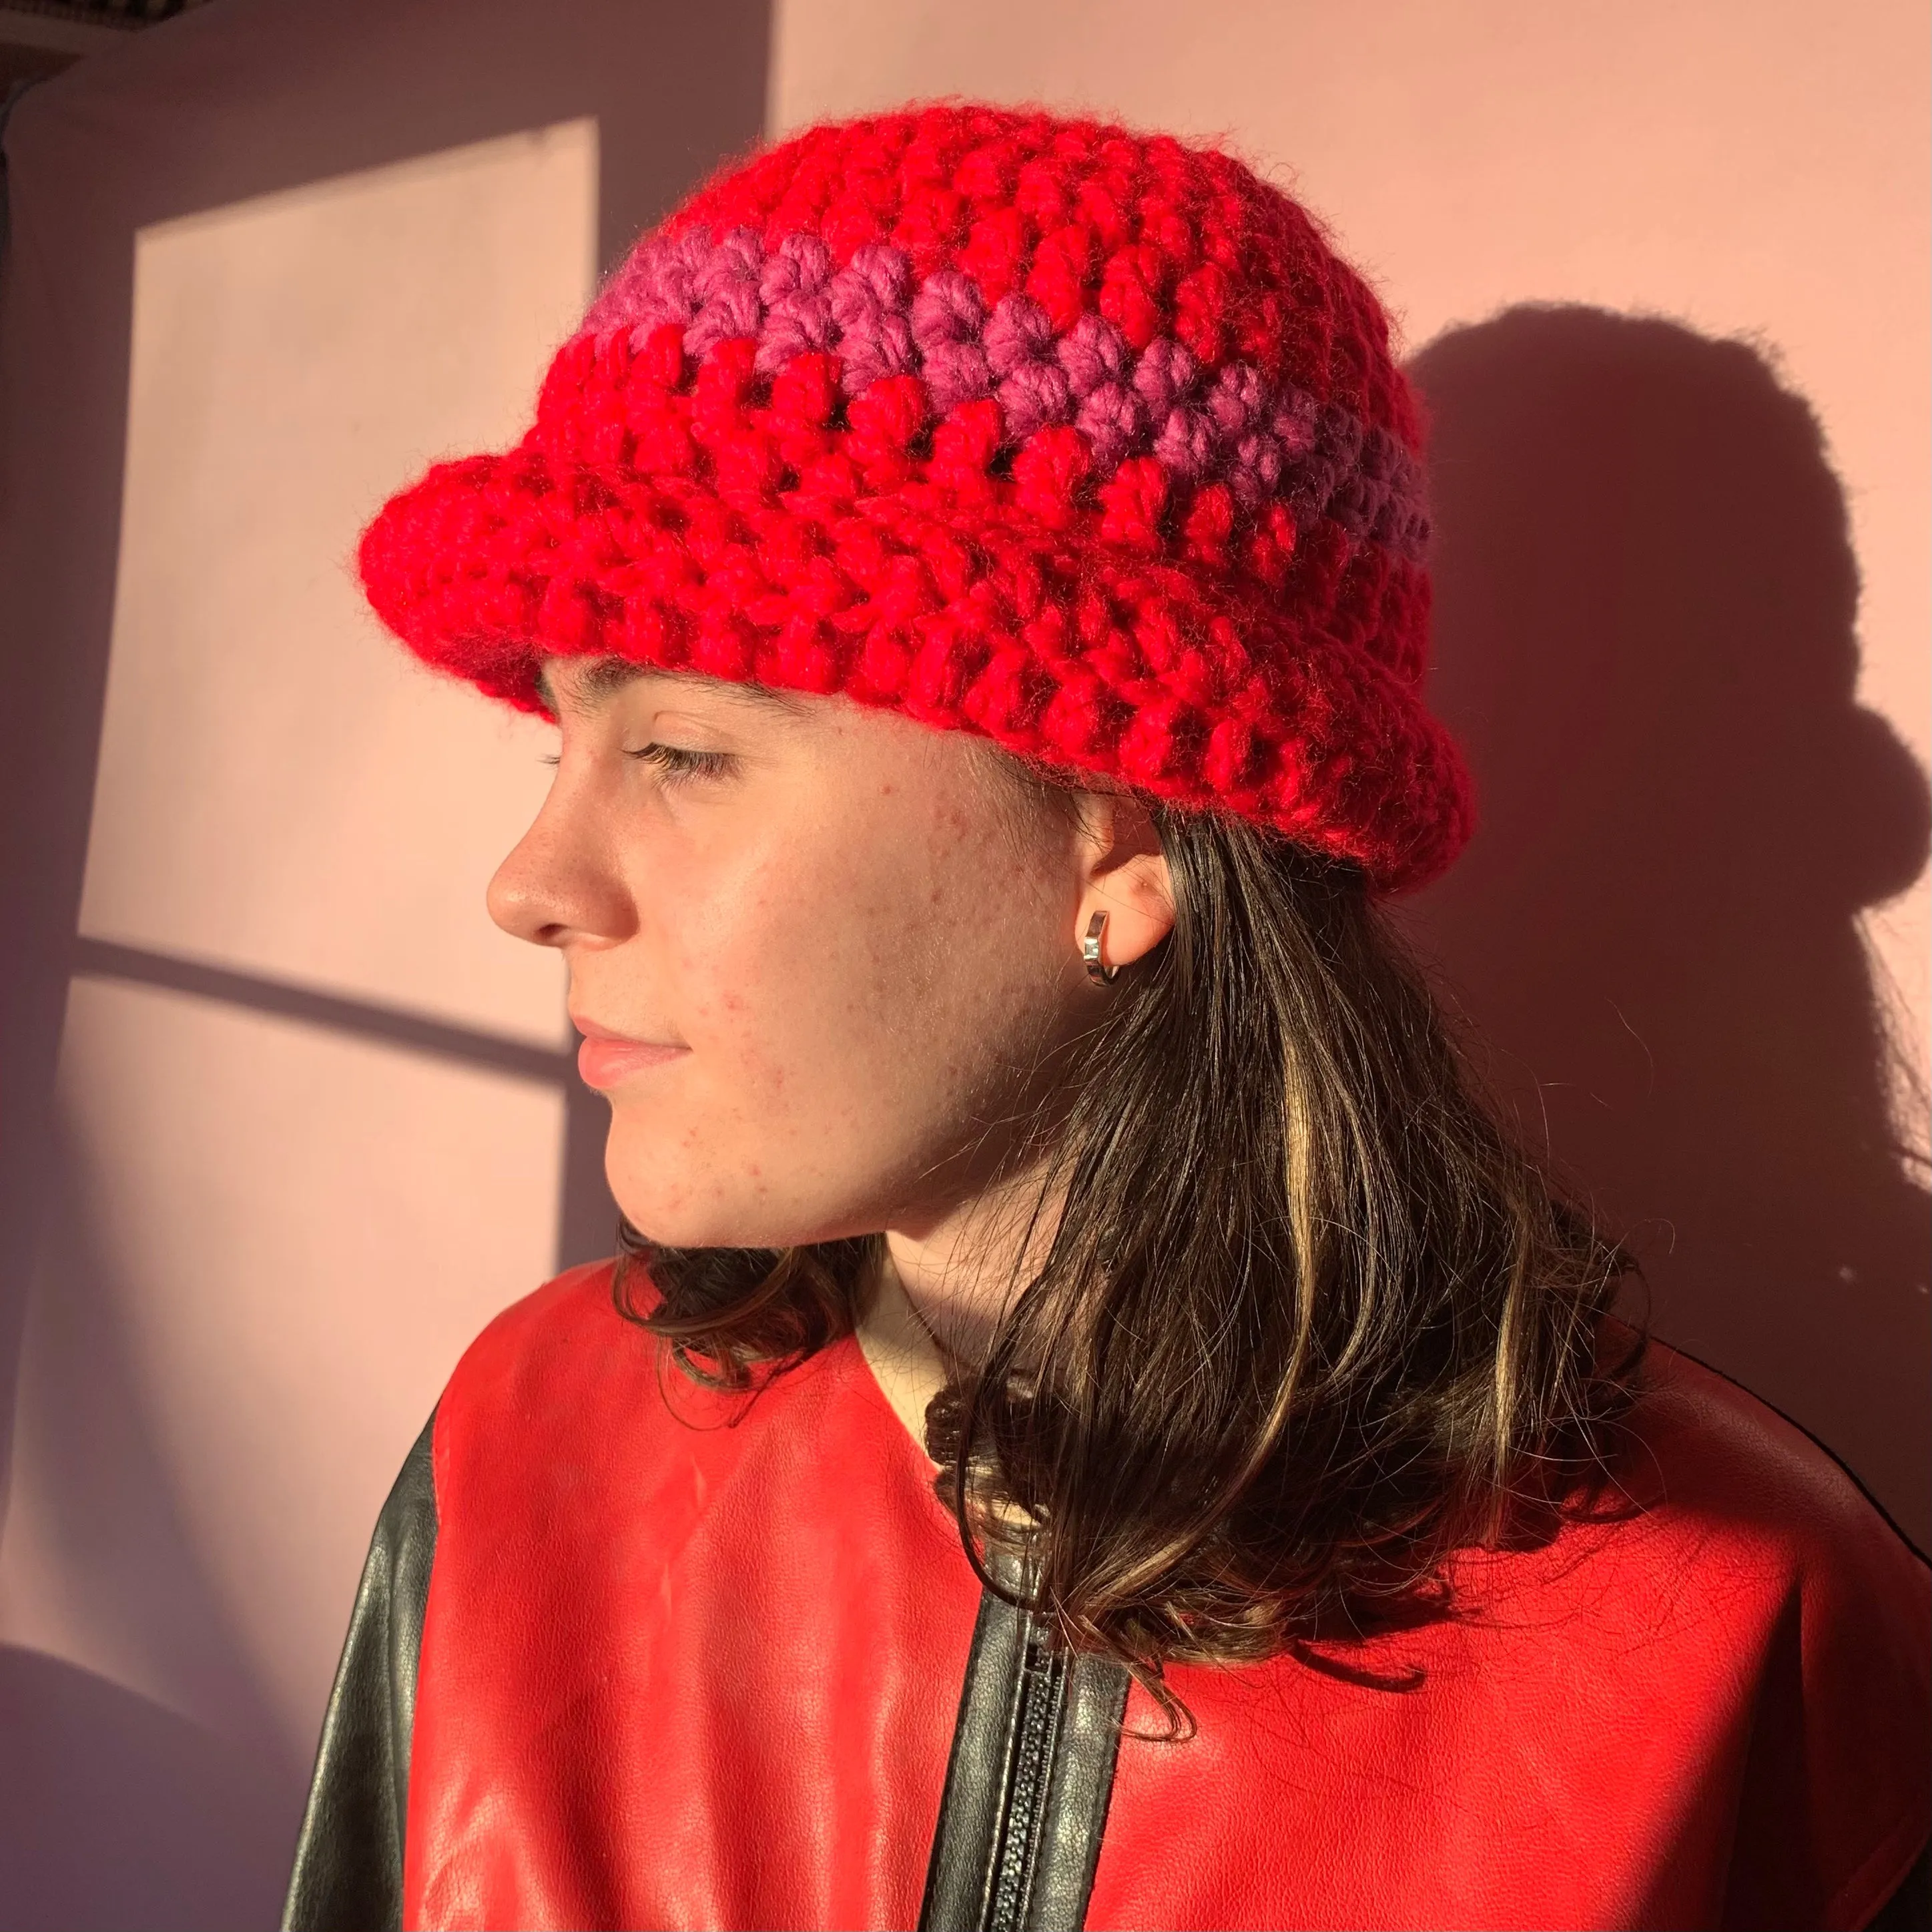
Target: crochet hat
[{"x": 1078, "y": 438}]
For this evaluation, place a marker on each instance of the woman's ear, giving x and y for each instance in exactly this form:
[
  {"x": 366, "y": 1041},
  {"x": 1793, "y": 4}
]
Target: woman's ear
[{"x": 1126, "y": 876}]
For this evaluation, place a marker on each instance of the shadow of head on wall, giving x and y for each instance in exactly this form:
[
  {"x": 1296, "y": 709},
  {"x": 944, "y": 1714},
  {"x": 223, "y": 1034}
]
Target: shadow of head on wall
[{"x": 1645, "y": 638}]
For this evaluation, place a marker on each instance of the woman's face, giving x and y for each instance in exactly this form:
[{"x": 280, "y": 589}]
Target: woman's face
[{"x": 811, "y": 955}]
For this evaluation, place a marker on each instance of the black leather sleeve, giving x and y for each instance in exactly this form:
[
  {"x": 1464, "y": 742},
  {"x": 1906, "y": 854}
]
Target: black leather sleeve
[
  {"x": 1909, "y": 1908},
  {"x": 348, "y": 1874}
]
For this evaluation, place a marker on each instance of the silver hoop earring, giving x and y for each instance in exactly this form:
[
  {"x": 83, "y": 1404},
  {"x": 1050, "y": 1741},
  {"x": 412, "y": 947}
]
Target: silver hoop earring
[{"x": 1090, "y": 951}]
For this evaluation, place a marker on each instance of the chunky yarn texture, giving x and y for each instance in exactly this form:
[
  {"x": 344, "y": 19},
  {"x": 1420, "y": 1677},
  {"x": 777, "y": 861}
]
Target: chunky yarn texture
[{"x": 1081, "y": 440}]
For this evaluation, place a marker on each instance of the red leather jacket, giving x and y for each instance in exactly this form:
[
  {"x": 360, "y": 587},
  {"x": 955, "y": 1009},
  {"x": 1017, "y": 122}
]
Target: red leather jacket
[{"x": 679, "y": 1669}]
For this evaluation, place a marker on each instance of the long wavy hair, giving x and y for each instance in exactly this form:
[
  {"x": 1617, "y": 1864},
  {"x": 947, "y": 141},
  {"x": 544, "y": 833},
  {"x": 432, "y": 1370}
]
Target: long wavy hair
[{"x": 1309, "y": 1321}]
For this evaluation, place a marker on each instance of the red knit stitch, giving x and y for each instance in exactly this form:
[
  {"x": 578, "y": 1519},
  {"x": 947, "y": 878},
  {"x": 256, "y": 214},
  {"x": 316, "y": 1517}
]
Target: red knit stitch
[{"x": 1081, "y": 440}]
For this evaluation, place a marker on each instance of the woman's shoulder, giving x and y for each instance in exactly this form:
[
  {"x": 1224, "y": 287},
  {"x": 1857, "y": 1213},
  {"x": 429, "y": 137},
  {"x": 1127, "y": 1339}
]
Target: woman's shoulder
[
  {"x": 1717, "y": 1528},
  {"x": 1764, "y": 1612},
  {"x": 1726, "y": 1564},
  {"x": 1722, "y": 1657},
  {"x": 1731, "y": 1597},
  {"x": 1719, "y": 1472},
  {"x": 565, "y": 1326},
  {"x": 541, "y": 1372},
  {"x": 572, "y": 1347},
  {"x": 568, "y": 1372}
]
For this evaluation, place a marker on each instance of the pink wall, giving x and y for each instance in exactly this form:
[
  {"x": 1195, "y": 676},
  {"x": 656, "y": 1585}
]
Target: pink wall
[
  {"x": 1681, "y": 623},
  {"x": 289, "y": 1118}
]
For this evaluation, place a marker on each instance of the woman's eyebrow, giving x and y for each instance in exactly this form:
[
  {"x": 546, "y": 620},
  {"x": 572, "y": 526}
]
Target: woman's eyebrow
[{"x": 603, "y": 680}]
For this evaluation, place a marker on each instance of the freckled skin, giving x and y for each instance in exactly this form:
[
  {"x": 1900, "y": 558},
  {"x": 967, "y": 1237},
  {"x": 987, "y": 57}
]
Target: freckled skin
[{"x": 860, "y": 955}]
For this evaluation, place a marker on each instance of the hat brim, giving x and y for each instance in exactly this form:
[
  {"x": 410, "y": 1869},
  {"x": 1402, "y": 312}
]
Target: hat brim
[{"x": 1075, "y": 655}]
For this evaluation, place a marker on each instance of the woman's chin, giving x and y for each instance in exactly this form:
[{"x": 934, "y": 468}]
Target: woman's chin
[{"x": 674, "y": 1214}]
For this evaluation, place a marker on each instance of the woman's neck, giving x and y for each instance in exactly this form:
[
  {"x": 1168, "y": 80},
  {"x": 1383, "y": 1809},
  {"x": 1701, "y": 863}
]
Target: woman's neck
[
  {"x": 904, "y": 1355},
  {"x": 940, "y": 1288}
]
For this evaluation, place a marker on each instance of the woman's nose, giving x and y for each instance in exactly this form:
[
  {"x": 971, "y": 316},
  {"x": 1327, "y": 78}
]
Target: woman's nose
[{"x": 560, "y": 882}]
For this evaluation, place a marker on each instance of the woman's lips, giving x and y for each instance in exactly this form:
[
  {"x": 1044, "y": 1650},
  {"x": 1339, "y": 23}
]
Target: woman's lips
[{"x": 607, "y": 1059}]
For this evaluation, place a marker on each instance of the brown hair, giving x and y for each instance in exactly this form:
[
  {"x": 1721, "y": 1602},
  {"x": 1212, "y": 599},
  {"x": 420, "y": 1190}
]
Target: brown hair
[{"x": 1310, "y": 1320}]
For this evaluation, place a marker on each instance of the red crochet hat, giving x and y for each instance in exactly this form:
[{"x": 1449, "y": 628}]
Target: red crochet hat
[{"x": 1079, "y": 439}]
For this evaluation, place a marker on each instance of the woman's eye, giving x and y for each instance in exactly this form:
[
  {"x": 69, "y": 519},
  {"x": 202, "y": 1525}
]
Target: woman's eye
[{"x": 674, "y": 761}]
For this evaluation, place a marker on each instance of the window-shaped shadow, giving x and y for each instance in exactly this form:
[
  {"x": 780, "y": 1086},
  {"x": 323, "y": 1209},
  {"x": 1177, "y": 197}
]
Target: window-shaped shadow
[
  {"x": 1646, "y": 602},
  {"x": 226, "y": 104},
  {"x": 117, "y": 1811}
]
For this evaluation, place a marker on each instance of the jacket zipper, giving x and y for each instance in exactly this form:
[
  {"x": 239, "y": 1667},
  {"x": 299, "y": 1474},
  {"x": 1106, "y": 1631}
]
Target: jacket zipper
[
  {"x": 1028, "y": 1780},
  {"x": 1041, "y": 1695}
]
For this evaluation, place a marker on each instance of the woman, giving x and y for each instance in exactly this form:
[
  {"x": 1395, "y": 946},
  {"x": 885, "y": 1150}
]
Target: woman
[{"x": 1092, "y": 1422}]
